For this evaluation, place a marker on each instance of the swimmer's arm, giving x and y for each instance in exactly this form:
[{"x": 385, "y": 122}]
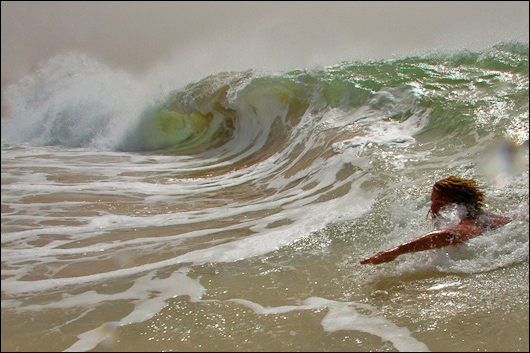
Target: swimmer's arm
[
  {"x": 441, "y": 238},
  {"x": 433, "y": 240}
]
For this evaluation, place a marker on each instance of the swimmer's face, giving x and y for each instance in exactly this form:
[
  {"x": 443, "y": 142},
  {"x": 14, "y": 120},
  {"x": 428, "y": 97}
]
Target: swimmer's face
[{"x": 438, "y": 201}]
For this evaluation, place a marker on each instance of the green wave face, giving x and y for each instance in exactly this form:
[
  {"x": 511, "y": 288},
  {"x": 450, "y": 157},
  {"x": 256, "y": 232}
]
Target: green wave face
[{"x": 460, "y": 91}]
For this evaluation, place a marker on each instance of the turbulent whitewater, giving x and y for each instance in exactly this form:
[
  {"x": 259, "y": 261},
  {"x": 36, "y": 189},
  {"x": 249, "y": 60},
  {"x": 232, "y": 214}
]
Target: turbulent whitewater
[{"x": 231, "y": 214}]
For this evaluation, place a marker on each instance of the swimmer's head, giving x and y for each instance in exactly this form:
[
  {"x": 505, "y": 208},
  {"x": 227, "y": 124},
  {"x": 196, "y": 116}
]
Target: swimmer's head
[{"x": 455, "y": 190}]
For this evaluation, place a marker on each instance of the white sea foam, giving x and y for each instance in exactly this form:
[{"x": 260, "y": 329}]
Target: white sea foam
[
  {"x": 347, "y": 316},
  {"x": 146, "y": 305}
]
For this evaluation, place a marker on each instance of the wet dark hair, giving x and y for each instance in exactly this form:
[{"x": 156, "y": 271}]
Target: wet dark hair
[{"x": 461, "y": 191}]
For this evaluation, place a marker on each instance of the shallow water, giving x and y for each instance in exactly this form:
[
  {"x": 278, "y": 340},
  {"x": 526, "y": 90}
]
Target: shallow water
[{"x": 232, "y": 214}]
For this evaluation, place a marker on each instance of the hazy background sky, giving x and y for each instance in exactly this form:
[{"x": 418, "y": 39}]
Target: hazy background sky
[{"x": 198, "y": 38}]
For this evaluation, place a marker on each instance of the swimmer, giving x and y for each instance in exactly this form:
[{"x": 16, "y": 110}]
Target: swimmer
[{"x": 476, "y": 220}]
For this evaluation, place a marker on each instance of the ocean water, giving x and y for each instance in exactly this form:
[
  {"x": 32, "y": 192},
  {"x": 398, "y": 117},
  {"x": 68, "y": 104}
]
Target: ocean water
[{"x": 231, "y": 214}]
